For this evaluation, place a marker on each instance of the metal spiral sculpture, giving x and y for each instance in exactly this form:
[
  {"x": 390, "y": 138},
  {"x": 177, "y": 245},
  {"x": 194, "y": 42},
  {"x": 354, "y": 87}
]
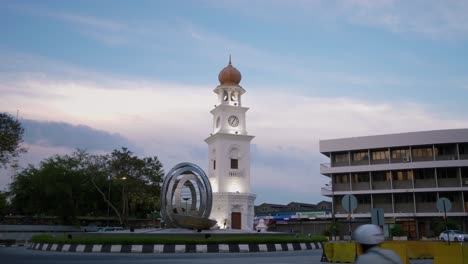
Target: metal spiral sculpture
[{"x": 193, "y": 179}]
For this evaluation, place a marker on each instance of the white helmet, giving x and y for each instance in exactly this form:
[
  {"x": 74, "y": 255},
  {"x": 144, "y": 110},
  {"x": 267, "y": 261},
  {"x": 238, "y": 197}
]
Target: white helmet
[{"x": 369, "y": 234}]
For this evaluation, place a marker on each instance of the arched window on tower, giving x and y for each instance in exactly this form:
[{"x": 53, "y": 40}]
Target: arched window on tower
[
  {"x": 225, "y": 96},
  {"x": 234, "y": 96}
]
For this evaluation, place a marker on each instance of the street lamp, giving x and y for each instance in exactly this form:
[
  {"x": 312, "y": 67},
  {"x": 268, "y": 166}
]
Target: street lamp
[
  {"x": 108, "y": 199},
  {"x": 124, "y": 201},
  {"x": 333, "y": 209}
]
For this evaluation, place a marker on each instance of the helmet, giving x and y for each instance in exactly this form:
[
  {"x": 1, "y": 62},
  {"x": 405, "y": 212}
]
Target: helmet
[{"x": 369, "y": 234}]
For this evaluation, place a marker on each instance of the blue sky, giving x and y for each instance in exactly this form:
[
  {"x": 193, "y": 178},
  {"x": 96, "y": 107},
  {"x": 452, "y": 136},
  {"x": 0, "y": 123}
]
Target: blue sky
[{"x": 141, "y": 74}]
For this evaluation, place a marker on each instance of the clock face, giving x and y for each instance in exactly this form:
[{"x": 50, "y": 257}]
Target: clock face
[
  {"x": 233, "y": 121},
  {"x": 218, "y": 120}
]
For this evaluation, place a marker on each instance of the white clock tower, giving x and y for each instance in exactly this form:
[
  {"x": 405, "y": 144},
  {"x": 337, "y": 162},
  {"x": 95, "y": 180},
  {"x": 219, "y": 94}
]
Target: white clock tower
[{"x": 229, "y": 155}]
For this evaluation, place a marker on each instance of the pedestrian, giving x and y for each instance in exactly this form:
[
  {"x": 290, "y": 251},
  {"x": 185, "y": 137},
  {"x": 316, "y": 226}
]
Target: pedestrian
[{"x": 370, "y": 237}]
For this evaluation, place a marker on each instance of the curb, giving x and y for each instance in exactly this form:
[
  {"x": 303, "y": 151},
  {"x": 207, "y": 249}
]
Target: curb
[{"x": 205, "y": 248}]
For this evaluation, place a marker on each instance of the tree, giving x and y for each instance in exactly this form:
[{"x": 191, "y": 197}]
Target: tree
[
  {"x": 11, "y": 135},
  {"x": 139, "y": 180},
  {"x": 82, "y": 184},
  {"x": 59, "y": 187},
  {"x": 3, "y": 204}
]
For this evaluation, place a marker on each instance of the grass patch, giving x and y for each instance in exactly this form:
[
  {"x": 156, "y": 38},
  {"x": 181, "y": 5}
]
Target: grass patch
[{"x": 151, "y": 240}]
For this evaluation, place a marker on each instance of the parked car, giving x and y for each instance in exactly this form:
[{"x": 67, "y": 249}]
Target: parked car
[{"x": 453, "y": 235}]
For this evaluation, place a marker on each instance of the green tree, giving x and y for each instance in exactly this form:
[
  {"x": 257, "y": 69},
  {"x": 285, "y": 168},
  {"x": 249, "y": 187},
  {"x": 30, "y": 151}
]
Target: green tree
[
  {"x": 11, "y": 135},
  {"x": 59, "y": 187},
  {"x": 138, "y": 179},
  {"x": 3, "y": 204},
  {"x": 82, "y": 184}
]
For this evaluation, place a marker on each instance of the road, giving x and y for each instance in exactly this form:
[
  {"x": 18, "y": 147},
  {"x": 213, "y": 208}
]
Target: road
[{"x": 21, "y": 255}]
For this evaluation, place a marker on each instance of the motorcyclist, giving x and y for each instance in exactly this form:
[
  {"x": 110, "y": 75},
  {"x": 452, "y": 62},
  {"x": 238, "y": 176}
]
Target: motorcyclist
[{"x": 370, "y": 237}]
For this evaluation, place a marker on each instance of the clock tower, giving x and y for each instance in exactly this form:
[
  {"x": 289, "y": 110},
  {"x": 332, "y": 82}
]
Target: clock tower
[{"x": 229, "y": 155}]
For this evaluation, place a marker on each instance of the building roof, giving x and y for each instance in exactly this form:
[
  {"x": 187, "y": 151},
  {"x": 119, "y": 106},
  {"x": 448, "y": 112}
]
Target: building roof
[
  {"x": 229, "y": 75},
  {"x": 394, "y": 140}
]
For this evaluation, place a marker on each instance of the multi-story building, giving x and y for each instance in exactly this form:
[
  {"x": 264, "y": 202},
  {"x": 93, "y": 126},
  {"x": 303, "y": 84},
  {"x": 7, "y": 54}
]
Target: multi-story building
[{"x": 404, "y": 174}]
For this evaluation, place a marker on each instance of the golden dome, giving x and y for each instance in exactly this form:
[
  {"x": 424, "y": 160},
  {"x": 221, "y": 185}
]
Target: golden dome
[{"x": 229, "y": 75}]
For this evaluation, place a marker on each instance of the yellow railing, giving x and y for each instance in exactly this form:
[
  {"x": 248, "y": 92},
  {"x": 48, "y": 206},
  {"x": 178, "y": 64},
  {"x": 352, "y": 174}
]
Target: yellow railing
[{"x": 455, "y": 253}]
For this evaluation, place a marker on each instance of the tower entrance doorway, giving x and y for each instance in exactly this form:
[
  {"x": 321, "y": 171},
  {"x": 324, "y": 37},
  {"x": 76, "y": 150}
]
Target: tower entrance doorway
[{"x": 236, "y": 220}]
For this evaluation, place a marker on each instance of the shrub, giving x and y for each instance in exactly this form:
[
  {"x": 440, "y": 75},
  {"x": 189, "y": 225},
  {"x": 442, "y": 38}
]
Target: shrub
[{"x": 396, "y": 230}]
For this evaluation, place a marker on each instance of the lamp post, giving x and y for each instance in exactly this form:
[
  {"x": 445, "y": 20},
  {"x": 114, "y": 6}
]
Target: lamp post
[
  {"x": 333, "y": 209},
  {"x": 108, "y": 198},
  {"x": 124, "y": 202}
]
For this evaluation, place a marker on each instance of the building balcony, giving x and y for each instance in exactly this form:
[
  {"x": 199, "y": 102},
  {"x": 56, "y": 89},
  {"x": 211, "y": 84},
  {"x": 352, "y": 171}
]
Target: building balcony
[
  {"x": 387, "y": 207},
  {"x": 446, "y": 157},
  {"x": 357, "y": 186},
  {"x": 426, "y": 207},
  {"x": 424, "y": 183},
  {"x": 424, "y": 158},
  {"x": 341, "y": 187},
  {"x": 381, "y": 185},
  {"x": 450, "y": 182},
  {"x": 359, "y": 162},
  {"x": 339, "y": 163},
  {"x": 326, "y": 191},
  {"x": 403, "y": 184},
  {"x": 363, "y": 209},
  {"x": 404, "y": 208},
  {"x": 236, "y": 173}
]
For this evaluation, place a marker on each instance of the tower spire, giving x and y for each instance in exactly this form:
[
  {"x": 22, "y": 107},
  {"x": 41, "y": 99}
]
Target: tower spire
[{"x": 229, "y": 58}]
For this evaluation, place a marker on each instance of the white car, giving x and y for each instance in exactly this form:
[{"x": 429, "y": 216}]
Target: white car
[{"x": 453, "y": 235}]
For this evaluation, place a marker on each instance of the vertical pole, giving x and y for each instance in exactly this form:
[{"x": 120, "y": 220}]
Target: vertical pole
[
  {"x": 108, "y": 200},
  {"x": 378, "y": 218},
  {"x": 349, "y": 218},
  {"x": 446, "y": 227}
]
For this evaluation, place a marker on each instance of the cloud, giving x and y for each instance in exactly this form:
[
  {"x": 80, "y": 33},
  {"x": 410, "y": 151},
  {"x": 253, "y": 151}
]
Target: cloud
[
  {"x": 171, "y": 121},
  {"x": 431, "y": 18},
  {"x": 103, "y": 30},
  {"x": 61, "y": 134}
]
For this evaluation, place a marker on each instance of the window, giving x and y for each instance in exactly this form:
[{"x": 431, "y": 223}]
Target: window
[
  {"x": 380, "y": 155},
  {"x": 363, "y": 199},
  {"x": 360, "y": 156},
  {"x": 447, "y": 173},
  {"x": 360, "y": 177},
  {"x": 380, "y": 176},
  {"x": 400, "y": 153},
  {"x": 426, "y": 197},
  {"x": 225, "y": 96},
  {"x": 234, "y": 164},
  {"x": 403, "y": 198},
  {"x": 405, "y": 175},
  {"x": 424, "y": 174},
  {"x": 340, "y": 157},
  {"x": 425, "y": 152},
  {"x": 341, "y": 178},
  {"x": 453, "y": 197},
  {"x": 214, "y": 164}
]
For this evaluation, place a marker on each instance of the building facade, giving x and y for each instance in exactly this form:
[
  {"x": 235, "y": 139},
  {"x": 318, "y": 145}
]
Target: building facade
[
  {"x": 229, "y": 155},
  {"x": 405, "y": 174},
  {"x": 294, "y": 217}
]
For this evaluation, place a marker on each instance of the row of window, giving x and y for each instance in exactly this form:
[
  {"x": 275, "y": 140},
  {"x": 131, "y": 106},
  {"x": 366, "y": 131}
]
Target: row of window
[
  {"x": 429, "y": 197},
  {"x": 401, "y": 175},
  {"x": 446, "y": 151}
]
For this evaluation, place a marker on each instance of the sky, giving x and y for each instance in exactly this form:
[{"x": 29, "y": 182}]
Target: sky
[{"x": 101, "y": 75}]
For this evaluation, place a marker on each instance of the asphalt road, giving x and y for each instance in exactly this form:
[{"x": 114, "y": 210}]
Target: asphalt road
[{"x": 21, "y": 255}]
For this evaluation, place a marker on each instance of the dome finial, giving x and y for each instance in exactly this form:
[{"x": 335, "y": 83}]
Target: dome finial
[{"x": 229, "y": 75}]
